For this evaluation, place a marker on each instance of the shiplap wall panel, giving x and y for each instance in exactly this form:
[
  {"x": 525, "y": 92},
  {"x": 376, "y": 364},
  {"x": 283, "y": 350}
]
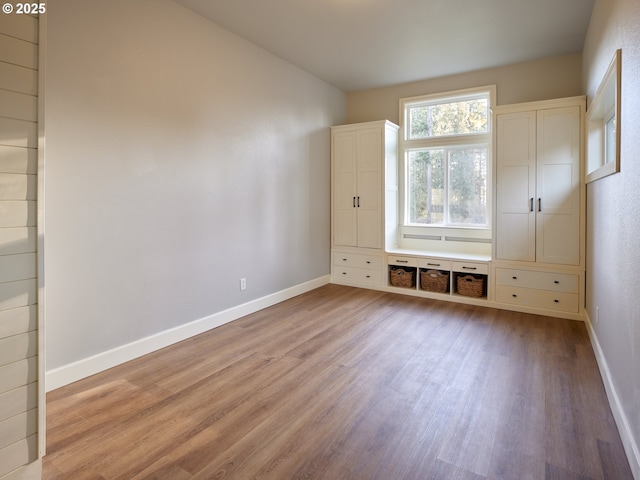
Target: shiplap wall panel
[
  {"x": 18, "y": 347},
  {"x": 18, "y": 214},
  {"x": 18, "y": 240},
  {"x": 24, "y": 27},
  {"x": 17, "y": 374},
  {"x": 19, "y": 79},
  {"x": 18, "y": 320},
  {"x": 18, "y": 133},
  {"x": 18, "y": 401},
  {"x": 18, "y": 294},
  {"x": 18, "y": 52},
  {"x": 20, "y": 106},
  {"x": 19, "y": 388},
  {"x": 18, "y": 454},
  {"x": 17, "y": 267},
  {"x": 18, "y": 160},
  {"x": 14, "y": 186},
  {"x": 18, "y": 427}
]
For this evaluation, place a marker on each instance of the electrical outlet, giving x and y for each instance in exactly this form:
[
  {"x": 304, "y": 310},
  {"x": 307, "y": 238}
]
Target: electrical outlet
[{"x": 243, "y": 284}]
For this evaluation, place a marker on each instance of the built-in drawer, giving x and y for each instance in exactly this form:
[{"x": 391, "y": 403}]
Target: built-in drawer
[
  {"x": 357, "y": 260},
  {"x": 434, "y": 263},
  {"x": 556, "y": 282},
  {"x": 402, "y": 261},
  {"x": 529, "y": 297},
  {"x": 470, "y": 267},
  {"x": 357, "y": 275}
]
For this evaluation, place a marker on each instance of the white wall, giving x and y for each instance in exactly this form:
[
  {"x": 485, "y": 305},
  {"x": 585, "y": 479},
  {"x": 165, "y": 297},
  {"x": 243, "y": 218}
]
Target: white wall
[
  {"x": 613, "y": 222},
  {"x": 542, "y": 79},
  {"x": 179, "y": 158}
]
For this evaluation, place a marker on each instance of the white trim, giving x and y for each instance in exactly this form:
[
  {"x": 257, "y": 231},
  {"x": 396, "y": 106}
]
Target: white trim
[
  {"x": 630, "y": 444},
  {"x": 89, "y": 366}
]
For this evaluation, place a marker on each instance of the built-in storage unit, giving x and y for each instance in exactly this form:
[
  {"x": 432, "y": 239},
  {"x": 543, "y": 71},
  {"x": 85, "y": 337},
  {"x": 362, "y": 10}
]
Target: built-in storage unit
[
  {"x": 363, "y": 200},
  {"x": 538, "y": 237},
  {"x": 536, "y": 260}
]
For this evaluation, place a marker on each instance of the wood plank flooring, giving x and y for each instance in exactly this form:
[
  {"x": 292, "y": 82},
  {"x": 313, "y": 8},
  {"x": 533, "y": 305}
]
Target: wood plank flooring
[{"x": 345, "y": 383}]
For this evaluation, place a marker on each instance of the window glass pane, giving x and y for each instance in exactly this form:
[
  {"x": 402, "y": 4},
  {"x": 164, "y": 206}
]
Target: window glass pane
[
  {"x": 452, "y": 118},
  {"x": 468, "y": 186},
  {"x": 426, "y": 181}
]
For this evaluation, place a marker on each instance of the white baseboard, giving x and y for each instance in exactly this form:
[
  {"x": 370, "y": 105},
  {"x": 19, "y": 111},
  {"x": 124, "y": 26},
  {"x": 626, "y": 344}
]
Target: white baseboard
[
  {"x": 86, "y": 367},
  {"x": 624, "y": 427}
]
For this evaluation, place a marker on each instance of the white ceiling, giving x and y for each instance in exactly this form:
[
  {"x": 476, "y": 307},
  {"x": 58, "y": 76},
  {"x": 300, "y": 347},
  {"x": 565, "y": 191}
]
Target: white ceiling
[{"x": 361, "y": 44}]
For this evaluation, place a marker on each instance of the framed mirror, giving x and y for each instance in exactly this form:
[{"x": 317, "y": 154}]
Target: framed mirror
[{"x": 603, "y": 125}]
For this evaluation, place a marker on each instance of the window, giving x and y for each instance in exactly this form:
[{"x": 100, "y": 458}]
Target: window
[{"x": 446, "y": 148}]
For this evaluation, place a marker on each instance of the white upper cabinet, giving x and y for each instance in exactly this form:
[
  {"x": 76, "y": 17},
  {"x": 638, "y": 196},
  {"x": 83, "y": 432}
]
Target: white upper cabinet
[{"x": 538, "y": 156}]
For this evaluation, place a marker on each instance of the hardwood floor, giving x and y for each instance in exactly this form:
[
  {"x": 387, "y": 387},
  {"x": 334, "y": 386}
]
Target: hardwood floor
[{"x": 345, "y": 383}]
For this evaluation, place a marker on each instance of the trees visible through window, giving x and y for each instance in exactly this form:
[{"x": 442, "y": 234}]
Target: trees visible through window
[{"x": 446, "y": 151}]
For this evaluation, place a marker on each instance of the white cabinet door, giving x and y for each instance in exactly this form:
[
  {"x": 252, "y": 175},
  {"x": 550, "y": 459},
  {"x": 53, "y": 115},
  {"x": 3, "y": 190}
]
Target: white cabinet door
[
  {"x": 516, "y": 183},
  {"x": 558, "y": 186},
  {"x": 369, "y": 190},
  {"x": 344, "y": 148}
]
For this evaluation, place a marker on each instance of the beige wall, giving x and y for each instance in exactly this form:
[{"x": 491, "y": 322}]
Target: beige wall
[
  {"x": 544, "y": 79},
  {"x": 613, "y": 223},
  {"x": 179, "y": 158}
]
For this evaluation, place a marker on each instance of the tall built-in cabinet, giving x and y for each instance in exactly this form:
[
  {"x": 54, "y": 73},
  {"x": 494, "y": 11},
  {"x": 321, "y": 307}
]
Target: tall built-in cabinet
[
  {"x": 538, "y": 259},
  {"x": 363, "y": 199}
]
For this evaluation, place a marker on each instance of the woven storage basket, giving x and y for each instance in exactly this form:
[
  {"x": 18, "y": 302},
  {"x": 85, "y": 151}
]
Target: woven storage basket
[
  {"x": 434, "y": 281},
  {"x": 471, "y": 285},
  {"x": 402, "y": 277}
]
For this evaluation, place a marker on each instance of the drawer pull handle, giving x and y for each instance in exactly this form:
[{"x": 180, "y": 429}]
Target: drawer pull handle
[
  {"x": 470, "y": 268},
  {"x": 344, "y": 259},
  {"x": 368, "y": 261},
  {"x": 344, "y": 273},
  {"x": 515, "y": 278},
  {"x": 354, "y": 202},
  {"x": 539, "y": 204},
  {"x": 402, "y": 261},
  {"x": 358, "y": 202},
  {"x": 556, "y": 282},
  {"x": 531, "y": 204},
  {"x": 433, "y": 264},
  {"x": 514, "y": 295},
  {"x": 368, "y": 276}
]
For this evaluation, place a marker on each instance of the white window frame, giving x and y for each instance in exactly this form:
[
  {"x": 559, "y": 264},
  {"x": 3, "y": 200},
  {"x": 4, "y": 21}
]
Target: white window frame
[{"x": 471, "y": 140}]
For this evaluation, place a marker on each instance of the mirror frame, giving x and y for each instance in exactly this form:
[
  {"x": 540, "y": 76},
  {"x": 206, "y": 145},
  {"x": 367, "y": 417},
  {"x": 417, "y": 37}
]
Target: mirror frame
[{"x": 603, "y": 125}]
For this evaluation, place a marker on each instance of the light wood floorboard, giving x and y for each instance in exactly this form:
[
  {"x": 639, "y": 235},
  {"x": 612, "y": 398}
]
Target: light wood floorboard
[{"x": 351, "y": 384}]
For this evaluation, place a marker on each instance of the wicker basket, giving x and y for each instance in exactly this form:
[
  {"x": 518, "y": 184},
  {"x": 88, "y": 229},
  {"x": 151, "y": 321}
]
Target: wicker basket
[
  {"x": 402, "y": 277},
  {"x": 471, "y": 285},
  {"x": 434, "y": 281}
]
